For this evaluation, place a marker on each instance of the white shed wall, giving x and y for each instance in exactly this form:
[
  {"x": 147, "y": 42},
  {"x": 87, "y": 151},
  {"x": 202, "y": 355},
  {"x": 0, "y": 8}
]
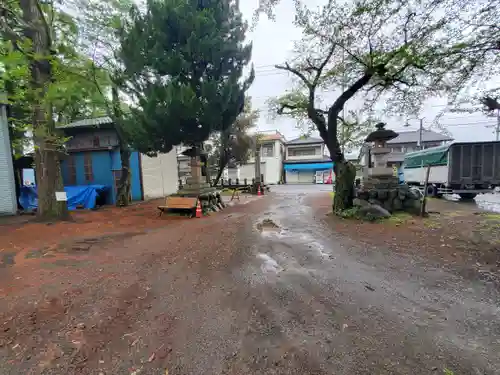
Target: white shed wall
[
  {"x": 8, "y": 205},
  {"x": 159, "y": 175}
]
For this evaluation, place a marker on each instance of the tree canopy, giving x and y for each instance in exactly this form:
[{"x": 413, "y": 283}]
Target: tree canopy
[
  {"x": 40, "y": 67},
  {"x": 184, "y": 61},
  {"x": 398, "y": 52}
]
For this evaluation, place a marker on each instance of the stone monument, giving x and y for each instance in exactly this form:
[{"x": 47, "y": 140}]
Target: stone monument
[
  {"x": 197, "y": 185},
  {"x": 380, "y": 175},
  {"x": 381, "y": 194}
]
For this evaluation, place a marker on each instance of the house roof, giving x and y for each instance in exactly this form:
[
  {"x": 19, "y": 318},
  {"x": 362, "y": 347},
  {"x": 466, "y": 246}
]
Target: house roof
[
  {"x": 86, "y": 123},
  {"x": 413, "y": 137},
  {"x": 272, "y": 137},
  {"x": 305, "y": 141}
]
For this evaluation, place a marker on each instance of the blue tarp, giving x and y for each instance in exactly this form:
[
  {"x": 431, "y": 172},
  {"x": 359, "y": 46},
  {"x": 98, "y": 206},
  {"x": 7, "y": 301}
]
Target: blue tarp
[
  {"x": 78, "y": 196},
  {"x": 313, "y": 166}
]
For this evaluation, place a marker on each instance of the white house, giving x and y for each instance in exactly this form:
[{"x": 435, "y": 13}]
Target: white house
[
  {"x": 272, "y": 153},
  {"x": 8, "y": 205},
  {"x": 306, "y": 162}
]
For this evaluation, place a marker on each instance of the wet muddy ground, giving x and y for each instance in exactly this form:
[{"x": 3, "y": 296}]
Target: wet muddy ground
[{"x": 262, "y": 288}]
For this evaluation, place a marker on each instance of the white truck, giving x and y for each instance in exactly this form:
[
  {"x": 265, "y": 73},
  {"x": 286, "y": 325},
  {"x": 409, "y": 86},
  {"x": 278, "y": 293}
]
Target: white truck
[{"x": 465, "y": 168}]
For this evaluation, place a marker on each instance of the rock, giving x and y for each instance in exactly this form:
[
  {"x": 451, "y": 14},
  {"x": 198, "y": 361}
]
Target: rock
[
  {"x": 363, "y": 194},
  {"x": 393, "y": 193},
  {"x": 408, "y": 203},
  {"x": 373, "y": 194},
  {"x": 387, "y": 205},
  {"x": 360, "y": 202},
  {"x": 80, "y": 326},
  {"x": 383, "y": 194},
  {"x": 414, "y": 203},
  {"x": 382, "y": 185},
  {"x": 375, "y": 201},
  {"x": 397, "y": 204},
  {"x": 374, "y": 211},
  {"x": 414, "y": 195},
  {"x": 403, "y": 188}
]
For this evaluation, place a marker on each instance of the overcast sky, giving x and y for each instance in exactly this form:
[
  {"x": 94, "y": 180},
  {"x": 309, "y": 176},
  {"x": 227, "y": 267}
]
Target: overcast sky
[{"x": 273, "y": 43}]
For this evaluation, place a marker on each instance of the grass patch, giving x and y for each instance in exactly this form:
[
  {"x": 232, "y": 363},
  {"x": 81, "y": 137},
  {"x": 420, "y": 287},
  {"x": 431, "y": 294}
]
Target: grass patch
[
  {"x": 491, "y": 216},
  {"x": 431, "y": 223},
  {"x": 455, "y": 213},
  {"x": 399, "y": 218},
  {"x": 332, "y": 194},
  {"x": 350, "y": 213}
]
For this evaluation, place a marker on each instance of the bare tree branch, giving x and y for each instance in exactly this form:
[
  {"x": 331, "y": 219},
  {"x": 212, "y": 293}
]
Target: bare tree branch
[
  {"x": 288, "y": 68},
  {"x": 323, "y": 64}
]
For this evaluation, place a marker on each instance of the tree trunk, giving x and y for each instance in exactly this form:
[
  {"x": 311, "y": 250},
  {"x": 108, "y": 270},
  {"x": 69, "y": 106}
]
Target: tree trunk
[
  {"x": 123, "y": 188},
  {"x": 222, "y": 165},
  {"x": 47, "y": 162},
  {"x": 345, "y": 174},
  {"x": 206, "y": 164},
  {"x": 123, "y": 196},
  {"x": 49, "y": 181}
]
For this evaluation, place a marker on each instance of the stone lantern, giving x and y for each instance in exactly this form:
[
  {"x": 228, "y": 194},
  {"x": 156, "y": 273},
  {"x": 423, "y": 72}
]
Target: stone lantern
[
  {"x": 196, "y": 184},
  {"x": 381, "y": 193},
  {"x": 380, "y": 151}
]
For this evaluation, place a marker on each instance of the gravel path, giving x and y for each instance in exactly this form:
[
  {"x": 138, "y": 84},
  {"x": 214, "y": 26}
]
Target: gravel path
[{"x": 260, "y": 288}]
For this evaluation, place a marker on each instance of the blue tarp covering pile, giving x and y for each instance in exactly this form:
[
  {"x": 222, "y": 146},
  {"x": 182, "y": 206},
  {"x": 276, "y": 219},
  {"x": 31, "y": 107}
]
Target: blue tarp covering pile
[{"x": 78, "y": 196}]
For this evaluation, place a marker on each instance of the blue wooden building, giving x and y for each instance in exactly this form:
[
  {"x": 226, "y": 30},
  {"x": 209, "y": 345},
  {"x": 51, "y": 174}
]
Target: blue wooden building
[{"x": 93, "y": 158}]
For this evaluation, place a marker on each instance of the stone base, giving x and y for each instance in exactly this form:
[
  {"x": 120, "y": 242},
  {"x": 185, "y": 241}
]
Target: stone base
[
  {"x": 391, "y": 198},
  {"x": 381, "y": 182},
  {"x": 209, "y": 197},
  {"x": 380, "y": 172},
  {"x": 196, "y": 189}
]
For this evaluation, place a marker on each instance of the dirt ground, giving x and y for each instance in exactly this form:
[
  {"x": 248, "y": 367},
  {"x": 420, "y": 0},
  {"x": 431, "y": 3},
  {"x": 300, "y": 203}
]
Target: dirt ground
[
  {"x": 23, "y": 239},
  {"x": 455, "y": 233},
  {"x": 263, "y": 287}
]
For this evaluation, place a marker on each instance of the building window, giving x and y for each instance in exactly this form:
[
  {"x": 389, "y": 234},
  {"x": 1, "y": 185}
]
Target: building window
[
  {"x": 267, "y": 150},
  {"x": 304, "y": 152},
  {"x": 87, "y": 167},
  {"x": 71, "y": 175}
]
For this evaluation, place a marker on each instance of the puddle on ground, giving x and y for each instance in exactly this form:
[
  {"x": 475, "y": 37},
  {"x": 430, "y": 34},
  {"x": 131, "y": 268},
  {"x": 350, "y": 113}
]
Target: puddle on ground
[
  {"x": 268, "y": 225},
  {"x": 487, "y": 202},
  {"x": 269, "y": 265}
]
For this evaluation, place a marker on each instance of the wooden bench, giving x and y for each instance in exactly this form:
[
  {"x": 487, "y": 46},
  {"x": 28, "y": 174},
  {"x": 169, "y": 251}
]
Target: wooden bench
[{"x": 178, "y": 203}]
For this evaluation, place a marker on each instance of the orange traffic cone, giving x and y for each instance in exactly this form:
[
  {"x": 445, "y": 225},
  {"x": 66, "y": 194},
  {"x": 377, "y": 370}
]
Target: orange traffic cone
[
  {"x": 259, "y": 193},
  {"x": 198, "y": 210}
]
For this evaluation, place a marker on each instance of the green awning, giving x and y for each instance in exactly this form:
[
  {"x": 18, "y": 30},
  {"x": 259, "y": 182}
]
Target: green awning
[{"x": 433, "y": 156}]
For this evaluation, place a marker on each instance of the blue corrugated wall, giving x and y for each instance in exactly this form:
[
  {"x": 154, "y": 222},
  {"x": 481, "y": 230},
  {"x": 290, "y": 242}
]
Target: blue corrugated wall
[{"x": 103, "y": 165}]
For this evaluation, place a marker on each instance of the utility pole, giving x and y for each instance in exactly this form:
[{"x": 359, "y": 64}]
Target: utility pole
[
  {"x": 420, "y": 145},
  {"x": 257, "y": 150},
  {"x": 420, "y": 133},
  {"x": 497, "y": 131}
]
